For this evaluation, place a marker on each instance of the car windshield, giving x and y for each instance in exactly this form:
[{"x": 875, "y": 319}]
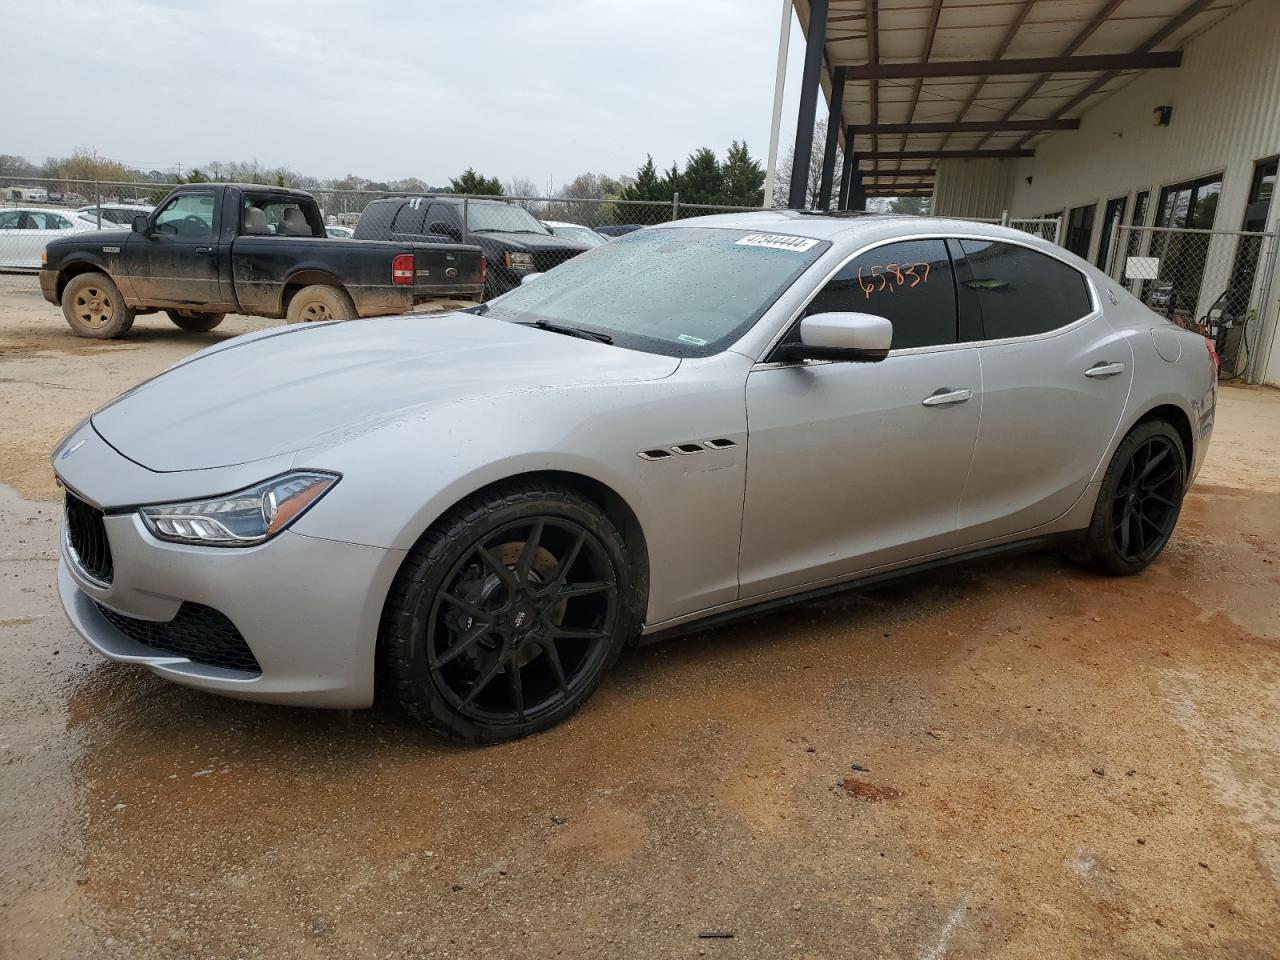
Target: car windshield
[
  {"x": 680, "y": 291},
  {"x": 504, "y": 217},
  {"x": 581, "y": 234}
]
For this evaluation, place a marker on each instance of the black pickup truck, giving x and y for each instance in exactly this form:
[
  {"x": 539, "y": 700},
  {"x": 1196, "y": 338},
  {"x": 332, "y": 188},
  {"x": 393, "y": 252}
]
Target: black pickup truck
[
  {"x": 514, "y": 242},
  {"x": 216, "y": 248}
]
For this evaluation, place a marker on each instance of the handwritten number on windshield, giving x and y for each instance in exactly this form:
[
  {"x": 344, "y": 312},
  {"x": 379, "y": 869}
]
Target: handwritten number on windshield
[{"x": 891, "y": 277}]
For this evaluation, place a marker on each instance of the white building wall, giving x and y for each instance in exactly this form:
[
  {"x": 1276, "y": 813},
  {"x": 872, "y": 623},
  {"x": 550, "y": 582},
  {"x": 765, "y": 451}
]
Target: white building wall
[
  {"x": 1226, "y": 116},
  {"x": 972, "y": 188}
]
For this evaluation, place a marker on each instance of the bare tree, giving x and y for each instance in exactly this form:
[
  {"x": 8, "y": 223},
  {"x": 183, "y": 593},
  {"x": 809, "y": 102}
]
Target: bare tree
[{"x": 813, "y": 183}]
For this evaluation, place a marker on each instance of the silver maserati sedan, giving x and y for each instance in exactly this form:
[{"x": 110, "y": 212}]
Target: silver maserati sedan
[{"x": 476, "y": 512}]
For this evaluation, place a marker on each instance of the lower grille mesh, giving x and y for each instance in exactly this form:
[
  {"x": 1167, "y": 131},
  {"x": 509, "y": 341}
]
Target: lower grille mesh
[{"x": 199, "y": 633}]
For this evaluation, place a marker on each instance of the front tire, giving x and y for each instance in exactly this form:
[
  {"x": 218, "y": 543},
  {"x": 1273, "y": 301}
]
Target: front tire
[
  {"x": 194, "y": 322},
  {"x": 94, "y": 307},
  {"x": 318, "y": 303},
  {"x": 507, "y": 614},
  {"x": 1140, "y": 500}
]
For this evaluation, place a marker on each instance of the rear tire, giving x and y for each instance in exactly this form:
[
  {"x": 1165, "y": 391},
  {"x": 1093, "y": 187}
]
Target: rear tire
[
  {"x": 194, "y": 322},
  {"x": 507, "y": 614},
  {"x": 94, "y": 307},
  {"x": 319, "y": 303},
  {"x": 1140, "y": 500}
]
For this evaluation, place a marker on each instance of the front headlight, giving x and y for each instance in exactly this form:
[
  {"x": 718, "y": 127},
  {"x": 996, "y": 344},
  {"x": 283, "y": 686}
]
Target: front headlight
[
  {"x": 240, "y": 519},
  {"x": 518, "y": 261}
]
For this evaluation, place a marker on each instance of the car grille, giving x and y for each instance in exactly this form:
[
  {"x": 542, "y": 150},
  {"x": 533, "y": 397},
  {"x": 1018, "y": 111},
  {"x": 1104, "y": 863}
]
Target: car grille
[
  {"x": 544, "y": 260},
  {"x": 87, "y": 538},
  {"x": 199, "y": 633}
]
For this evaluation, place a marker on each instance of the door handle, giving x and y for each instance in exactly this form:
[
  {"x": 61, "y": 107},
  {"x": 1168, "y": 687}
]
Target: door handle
[
  {"x": 1104, "y": 369},
  {"x": 946, "y": 397},
  {"x": 200, "y": 250}
]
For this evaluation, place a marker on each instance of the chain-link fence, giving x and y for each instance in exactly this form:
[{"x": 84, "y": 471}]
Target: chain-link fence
[
  {"x": 34, "y": 211},
  {"x": 1215, "y": 282},
  {"x": 1047, "y": 228}
]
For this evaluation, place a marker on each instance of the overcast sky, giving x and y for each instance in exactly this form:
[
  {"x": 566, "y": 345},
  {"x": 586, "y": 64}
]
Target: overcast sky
[{"x": 544, "y": 89}]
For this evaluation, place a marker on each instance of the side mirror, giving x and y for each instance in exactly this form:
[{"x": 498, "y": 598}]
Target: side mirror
[
  {"x": 529, "y": 276},
  {"x": 141, "y": 224},
  {"x": 852, "y": 337},
  {"x": 444, "y": 229}
]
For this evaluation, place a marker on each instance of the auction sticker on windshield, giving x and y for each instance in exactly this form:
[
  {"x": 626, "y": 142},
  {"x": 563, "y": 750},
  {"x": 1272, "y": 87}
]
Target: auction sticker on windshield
[{"x": 777, "y": 241}]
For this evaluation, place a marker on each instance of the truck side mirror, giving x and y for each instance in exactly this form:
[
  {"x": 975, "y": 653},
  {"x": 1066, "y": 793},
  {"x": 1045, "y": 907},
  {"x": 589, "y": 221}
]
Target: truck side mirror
[
  {"x": 445, "y": 229},
  {"x": 141, "y": 224}
]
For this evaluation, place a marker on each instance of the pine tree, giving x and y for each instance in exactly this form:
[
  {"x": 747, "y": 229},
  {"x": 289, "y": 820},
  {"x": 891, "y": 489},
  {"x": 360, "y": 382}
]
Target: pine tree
[
  {"x": 702, "y": 180},
  {"x": 743, "y": 177},
  {"x": 474, "y": 183},
  {"x": 647, "y": 186},
  {"x": 671, "y": 181}
]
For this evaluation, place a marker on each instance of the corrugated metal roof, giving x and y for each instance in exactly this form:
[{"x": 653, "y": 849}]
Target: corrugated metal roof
[{"x": 881, "y": 32}]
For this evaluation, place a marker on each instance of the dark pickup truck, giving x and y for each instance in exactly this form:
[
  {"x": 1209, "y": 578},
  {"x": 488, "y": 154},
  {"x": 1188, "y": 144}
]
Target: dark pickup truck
[
  {"x": 216, "y": 248},
  {"x": 514, "y": 242}
]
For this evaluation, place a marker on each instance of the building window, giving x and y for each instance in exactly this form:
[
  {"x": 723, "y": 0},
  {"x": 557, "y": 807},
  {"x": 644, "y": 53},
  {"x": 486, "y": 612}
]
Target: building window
[
  {"x": 1183, "y": 206},
  {"x": 1080, "y": 230},
  {"x": 1111, "y": 219},
  {"x": 1244, "y": 267}
]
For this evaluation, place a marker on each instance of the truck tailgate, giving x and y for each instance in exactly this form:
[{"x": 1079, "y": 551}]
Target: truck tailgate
[{"x": 447, "y": 268}]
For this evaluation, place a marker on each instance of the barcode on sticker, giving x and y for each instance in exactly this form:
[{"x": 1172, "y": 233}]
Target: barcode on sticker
[{"x": 777, "y": 241}]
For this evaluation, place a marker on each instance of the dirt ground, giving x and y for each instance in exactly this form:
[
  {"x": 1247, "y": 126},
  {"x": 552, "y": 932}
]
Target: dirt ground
[{"x": 1016, "y": 759}]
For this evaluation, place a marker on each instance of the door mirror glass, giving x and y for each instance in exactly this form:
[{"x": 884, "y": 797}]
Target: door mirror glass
[
  {"x": 852, "y": 337},
  {"x": 440, "y": 228},
  {"x": 140, "y": 223}
]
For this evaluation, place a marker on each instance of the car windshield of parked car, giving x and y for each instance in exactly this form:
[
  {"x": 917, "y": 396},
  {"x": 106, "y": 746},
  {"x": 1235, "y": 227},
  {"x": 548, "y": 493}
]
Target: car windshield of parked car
[
  {"x": 501, "y": 218},
  {"x": 680, "y": 291},
  {"x": 580, "y": 234}
]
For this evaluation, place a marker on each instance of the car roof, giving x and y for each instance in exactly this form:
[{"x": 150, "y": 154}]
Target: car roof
[
  {"x": 859, "y": 226},
  {"x": 565, "y": 223},
  {"x": 61, "y": 211}
]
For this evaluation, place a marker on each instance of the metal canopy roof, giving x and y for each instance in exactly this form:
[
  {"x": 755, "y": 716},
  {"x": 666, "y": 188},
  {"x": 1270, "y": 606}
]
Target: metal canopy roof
[{"x": 935, "y": 79}]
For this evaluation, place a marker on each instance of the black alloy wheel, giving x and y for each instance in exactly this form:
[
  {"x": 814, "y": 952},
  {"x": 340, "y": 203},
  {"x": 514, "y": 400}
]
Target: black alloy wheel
[
  {"x": 1140, "y": 499},
  {"x": 1145, "y": 501},
  {"x": 523, "y": 622},
  {"x": 507, "y": 614}
]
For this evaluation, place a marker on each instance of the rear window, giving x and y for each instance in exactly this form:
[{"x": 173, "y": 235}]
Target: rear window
[
  {"x": 1019, "y": 291},
  {"x": 409, "y": 218}
]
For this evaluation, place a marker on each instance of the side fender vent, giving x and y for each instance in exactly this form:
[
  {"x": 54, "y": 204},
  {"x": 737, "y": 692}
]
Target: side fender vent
[
  {"x": 656, "y": 454},
  {"x": 723, "y": 443},
  {"x": 684, "y": 448}
]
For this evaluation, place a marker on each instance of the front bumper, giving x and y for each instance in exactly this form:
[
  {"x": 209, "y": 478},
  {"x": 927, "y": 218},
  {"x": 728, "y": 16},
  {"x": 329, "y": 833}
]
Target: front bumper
[
  {"x": 49, "y": 285},
  {"x": 307, "y": 608}
]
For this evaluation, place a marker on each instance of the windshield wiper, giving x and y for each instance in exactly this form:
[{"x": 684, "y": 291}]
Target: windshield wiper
[{"x": 579, "y": 332}]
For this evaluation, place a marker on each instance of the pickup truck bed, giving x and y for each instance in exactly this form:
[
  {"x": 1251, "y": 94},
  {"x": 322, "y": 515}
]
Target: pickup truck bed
[{"x": 212, "y": 249}]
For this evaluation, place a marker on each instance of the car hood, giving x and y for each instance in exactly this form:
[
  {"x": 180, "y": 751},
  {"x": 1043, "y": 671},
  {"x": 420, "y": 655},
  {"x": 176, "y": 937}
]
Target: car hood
[
  {"x": 113, "y": 234},
  {"x": 530, "y": 241},
  {"x": 285, "y": 389}
]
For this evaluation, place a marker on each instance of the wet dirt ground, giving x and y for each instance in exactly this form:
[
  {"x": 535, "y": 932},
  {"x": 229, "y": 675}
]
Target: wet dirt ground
[{"x": 1013, "y": 759}]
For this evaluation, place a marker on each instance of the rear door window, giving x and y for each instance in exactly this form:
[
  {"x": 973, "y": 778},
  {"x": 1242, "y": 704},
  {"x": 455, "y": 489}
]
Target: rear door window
[
  {"x": 910, "y": 283},
  {"x": 1017, "y": 291}
]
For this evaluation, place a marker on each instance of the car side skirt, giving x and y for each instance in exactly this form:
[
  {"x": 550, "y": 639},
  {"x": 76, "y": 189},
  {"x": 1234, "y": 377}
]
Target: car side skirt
[{"x": 755, "y": 608}]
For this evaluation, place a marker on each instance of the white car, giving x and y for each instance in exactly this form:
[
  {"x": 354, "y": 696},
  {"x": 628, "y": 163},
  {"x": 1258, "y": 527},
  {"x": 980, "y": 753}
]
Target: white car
[
  {"x": 575, "y": 231},
  {"x": 115, "y": 214},
  {"x": 24, "y": 231},
  {"x": 339, "y": 231}
]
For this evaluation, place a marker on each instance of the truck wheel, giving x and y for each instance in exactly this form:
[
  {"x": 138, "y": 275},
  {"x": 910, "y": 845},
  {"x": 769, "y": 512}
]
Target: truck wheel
[
  {"x": 94, "y": 307},
  {"x": 195, "y": 322},
  {"x": 318, "y": 302}
]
